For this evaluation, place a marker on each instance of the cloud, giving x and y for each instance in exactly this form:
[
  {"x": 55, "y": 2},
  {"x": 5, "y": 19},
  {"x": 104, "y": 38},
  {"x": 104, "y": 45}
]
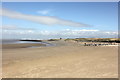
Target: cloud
[
  {"x": 84, "y": 33},
  {"x": 44, "y": 12},
  {"x": 46, "y": 20},
  {"x": 13, "y": 27},
  {"x": 38, "y": 34}
]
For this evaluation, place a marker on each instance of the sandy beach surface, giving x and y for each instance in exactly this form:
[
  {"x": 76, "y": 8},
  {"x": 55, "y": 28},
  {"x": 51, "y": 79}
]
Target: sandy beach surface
[{"x": 65, "y": 60}]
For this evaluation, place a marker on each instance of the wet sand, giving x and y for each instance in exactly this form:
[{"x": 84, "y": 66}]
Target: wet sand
[
  {"x": 20, "y": 45},
  {"x": 68, "y": 60}
]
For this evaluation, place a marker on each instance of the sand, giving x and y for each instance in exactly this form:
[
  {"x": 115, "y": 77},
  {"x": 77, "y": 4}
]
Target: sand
[
  {"x": 22, "y": 45},
  {"x": 66, "y": 60}
]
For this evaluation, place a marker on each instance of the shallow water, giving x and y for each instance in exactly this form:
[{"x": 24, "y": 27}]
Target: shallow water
[
  {"x": 21, "y": 42},
  {"x": 17, "y": 42}
]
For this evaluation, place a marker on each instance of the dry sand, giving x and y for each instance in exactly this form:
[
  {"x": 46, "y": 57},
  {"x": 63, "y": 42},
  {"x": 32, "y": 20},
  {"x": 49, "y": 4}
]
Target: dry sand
[{"x": 69, "y": 60}]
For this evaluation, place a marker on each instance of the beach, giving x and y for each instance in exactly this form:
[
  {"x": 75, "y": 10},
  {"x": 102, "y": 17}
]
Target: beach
[{"x": 65, "y": 60}]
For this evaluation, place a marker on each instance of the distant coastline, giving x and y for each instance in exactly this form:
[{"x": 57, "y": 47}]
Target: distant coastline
[{"x": 11, "y": 44}]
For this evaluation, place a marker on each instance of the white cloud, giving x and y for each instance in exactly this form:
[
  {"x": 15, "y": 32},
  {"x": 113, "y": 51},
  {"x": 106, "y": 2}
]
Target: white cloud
[
  {"x": 13, "y": 27},
  {"x": 44, "y": 12},
  {"x": 38, "y": 34},
  {"x": 46, "y": 20},
  {"x": 9, "y": 27}
]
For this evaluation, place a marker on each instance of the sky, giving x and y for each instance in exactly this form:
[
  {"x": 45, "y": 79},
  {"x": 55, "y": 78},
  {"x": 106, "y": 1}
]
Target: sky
[{"x": 45, "y": 20}]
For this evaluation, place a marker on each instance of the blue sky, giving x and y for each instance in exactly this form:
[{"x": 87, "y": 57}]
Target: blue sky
[{"x": 61, "y": 16}]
